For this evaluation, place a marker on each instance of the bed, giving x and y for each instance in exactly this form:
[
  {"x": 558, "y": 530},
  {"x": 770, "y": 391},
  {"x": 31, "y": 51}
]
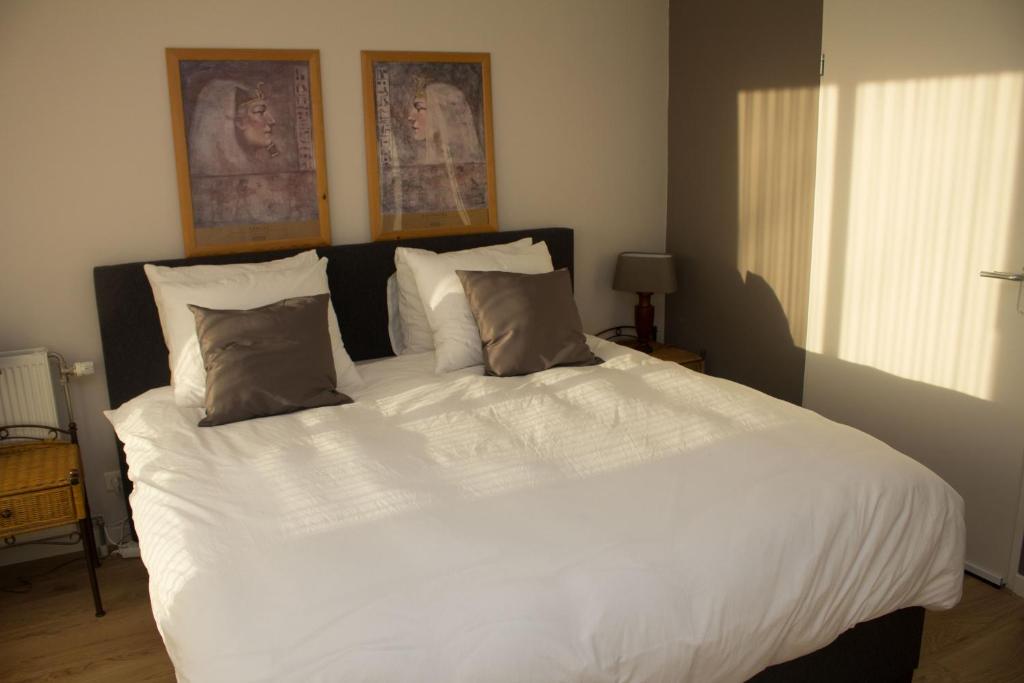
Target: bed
[{"x": 628, "y": 521}]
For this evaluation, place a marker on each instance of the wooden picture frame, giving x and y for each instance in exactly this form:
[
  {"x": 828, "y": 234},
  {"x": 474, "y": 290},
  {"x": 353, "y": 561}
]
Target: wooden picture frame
[
  {"x": 429, "y": 143},
  {"x": 249, "y": 145}
]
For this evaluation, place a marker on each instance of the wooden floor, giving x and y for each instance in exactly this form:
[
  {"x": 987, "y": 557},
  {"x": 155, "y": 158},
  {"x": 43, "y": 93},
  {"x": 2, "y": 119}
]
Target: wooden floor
[
  {"x": 50, "y": 633},
  {"x": 981, "y": 639}
]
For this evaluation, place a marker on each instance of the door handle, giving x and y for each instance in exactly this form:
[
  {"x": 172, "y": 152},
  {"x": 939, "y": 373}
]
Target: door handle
[{"x": 1002, "y": 275}]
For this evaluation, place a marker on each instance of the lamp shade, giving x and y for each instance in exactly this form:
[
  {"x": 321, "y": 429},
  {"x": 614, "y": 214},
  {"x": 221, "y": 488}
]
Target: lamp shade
[{"x": 642, "y": 272}]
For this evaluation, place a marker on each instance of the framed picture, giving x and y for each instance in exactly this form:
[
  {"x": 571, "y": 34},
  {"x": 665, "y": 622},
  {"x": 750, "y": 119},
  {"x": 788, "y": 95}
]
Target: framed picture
[
  {"x": 429, "y": 143},
  {"x": 249, "y": 146}
]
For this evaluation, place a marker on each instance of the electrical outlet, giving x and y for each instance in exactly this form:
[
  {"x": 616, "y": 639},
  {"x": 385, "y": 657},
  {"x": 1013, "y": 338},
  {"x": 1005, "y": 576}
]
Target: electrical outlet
[{"x": 113, "y": 480}]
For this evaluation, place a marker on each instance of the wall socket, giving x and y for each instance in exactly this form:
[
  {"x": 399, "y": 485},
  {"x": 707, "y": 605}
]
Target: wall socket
[{"x": 113, "y": 480}]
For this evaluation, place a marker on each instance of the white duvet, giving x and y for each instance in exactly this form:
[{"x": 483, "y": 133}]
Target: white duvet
[{"x": 634, "y": 521}]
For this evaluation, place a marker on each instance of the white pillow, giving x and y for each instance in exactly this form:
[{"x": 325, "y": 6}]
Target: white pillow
[
  {"x": 416, "y": 333},
  {"x": 242, "y": 292},
  {"x": 159, "y": 276},
  {"x": 456, "y": 336},
  {"x": 395, "y": 333}
]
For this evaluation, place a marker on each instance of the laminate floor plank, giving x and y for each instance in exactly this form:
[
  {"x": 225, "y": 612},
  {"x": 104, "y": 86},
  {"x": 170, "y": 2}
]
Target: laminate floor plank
[
  {"x": 49, "y": 633},
  {"x": 981, "y": 640}
]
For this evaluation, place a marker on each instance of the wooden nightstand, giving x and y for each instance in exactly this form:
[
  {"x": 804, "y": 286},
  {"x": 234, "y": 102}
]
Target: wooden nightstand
[
  {"x": 673, "y": 354},
  {"x": 41, "y": 486}
]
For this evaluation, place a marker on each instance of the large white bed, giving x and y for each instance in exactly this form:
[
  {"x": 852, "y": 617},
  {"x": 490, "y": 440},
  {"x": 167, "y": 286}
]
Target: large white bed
[{"x": 632, "y": 521}]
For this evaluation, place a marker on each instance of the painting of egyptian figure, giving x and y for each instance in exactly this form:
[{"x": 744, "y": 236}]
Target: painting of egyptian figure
[
  {"x": 429, "y": 145},
  {"x": 249, "y": 140}
]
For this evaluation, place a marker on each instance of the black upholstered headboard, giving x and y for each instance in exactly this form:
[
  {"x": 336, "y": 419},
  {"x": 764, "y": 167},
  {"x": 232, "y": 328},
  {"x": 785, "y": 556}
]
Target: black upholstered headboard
[{"x": 134, "y": 354}]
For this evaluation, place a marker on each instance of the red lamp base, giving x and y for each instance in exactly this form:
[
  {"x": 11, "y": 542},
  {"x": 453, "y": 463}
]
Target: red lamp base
[{"x": 643, "y": 316}]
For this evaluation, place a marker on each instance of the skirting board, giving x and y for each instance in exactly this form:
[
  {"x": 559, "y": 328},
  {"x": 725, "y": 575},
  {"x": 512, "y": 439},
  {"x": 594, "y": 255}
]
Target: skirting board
[{"x": 986, "y": 576}]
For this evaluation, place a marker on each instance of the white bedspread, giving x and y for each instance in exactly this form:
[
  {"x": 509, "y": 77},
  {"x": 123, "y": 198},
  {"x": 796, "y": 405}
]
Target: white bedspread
[{"x": 634, "y": 521}]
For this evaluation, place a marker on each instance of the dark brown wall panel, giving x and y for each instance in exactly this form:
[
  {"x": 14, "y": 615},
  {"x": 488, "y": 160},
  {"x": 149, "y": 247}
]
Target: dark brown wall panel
[{"x": 743, "y": 89}]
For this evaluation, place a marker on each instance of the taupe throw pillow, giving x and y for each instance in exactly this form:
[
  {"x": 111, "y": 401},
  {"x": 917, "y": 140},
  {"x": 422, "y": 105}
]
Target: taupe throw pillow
[
  {"x": 527, "y": 323},
  {"x": 267, "y": 361}
]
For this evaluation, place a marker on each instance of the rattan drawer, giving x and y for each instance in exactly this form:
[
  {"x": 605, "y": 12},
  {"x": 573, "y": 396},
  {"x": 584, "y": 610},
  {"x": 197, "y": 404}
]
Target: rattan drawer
[{"x": 36, "y": 510}]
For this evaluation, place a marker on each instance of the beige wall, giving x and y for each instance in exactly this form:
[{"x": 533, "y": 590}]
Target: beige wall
[
  {"x": 920, "y": 180},
  {"x": 87, "y": 177}
]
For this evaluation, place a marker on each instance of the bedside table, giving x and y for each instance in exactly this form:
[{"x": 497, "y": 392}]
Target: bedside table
[
  {"x": 41, "y": 486},
  {"x": 673, "y": 354}
]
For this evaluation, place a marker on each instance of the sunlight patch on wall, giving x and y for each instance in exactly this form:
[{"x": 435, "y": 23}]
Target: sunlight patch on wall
[
  {"x": 776, "y": 178},
  {"x": 930, "y": 201},
  {"x": 824, "y": 187}
]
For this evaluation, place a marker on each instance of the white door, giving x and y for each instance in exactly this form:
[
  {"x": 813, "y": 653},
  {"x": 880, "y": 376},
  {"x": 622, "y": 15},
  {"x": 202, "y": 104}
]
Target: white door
[{"x": 919, "y": 186}]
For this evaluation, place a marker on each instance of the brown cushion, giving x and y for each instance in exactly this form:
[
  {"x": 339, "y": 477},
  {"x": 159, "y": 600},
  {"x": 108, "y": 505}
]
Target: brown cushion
[
  {"x": 267, "y": 361},
  {"x": 527, "y": 323}
]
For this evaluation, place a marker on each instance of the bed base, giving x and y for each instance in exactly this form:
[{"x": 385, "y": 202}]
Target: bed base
[{"x": 883, "y": 650}]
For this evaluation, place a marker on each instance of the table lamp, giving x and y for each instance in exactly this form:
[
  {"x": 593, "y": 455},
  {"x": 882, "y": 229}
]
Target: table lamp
[{"x": 645, "y": 274}]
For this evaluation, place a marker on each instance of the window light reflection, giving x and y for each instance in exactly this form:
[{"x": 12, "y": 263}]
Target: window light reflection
[
  {"x": 932, "y": 174},
  {"x": 776, "y": 175}
]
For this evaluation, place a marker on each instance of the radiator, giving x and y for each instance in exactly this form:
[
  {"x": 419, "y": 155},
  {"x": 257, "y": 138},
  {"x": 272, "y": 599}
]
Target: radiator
[{"x": 29, "y": 386}]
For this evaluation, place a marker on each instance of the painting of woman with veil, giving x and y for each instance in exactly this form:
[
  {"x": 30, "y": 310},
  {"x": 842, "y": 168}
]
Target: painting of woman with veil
[
  {"x": 429, "y": 143},
  {"x": 248, "y": 133}
]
